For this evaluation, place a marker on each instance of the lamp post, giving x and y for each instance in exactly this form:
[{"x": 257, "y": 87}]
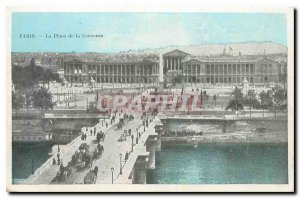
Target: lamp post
[
  {"x": 132, "y": 143},
  {"x": 120, "y": 163},
  {"x": 112, "y": 175}
]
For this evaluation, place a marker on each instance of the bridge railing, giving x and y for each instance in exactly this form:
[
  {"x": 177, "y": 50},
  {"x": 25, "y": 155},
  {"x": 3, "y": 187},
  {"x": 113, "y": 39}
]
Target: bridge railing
[
  {"x": 63, "y": 151},
  {"x": 49, "y": 162},
  {"x": 50, "y": 115}
]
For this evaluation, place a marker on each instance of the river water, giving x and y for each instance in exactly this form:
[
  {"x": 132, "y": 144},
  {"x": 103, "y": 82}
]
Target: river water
[
  {"x": 185, "y": 164},
  {"x": 221, "y": 164},
  {"x": 27, "y": 157}
]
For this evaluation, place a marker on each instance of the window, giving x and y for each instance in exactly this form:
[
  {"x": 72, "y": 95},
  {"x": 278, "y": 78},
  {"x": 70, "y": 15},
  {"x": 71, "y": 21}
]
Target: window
[{"x": 207, "y": 69}]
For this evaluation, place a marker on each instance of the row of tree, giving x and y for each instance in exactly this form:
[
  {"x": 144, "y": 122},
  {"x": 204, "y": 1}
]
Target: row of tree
[
  {"x": 40, "y": 99},
  {"x": 273, "y": 100},
  {"x": 30, "y": 76},
  {"x": 27, "y": 93}
]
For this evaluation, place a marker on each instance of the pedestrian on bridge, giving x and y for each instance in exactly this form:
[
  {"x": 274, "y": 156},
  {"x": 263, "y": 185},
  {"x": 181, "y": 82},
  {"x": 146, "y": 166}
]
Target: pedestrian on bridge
[{"x": 91, "y": 132}]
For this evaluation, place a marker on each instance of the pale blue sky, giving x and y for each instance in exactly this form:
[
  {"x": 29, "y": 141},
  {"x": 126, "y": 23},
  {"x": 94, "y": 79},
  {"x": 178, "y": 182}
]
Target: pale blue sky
[{"x": 124, "y": 31}]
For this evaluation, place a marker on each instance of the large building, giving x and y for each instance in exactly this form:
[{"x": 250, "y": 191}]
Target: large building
[{"x": 178, "y": 66}]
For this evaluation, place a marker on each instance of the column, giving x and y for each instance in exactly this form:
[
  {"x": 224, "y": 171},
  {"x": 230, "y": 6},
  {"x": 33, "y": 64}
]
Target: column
[
  {"x": 167, "y": 59},
  {"x": 118, "y": 70},
  {"x": 173, "y": 63},
  {"x": 249, "y": 69},
  {"x": 178, "y": 63}
]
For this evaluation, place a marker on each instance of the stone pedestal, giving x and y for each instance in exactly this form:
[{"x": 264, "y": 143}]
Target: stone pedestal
[{"x": 160, "y": 87}]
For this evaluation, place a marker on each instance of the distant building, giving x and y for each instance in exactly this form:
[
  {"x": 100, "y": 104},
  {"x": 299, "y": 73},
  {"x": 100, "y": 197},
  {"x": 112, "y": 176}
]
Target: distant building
[
  {"x": 133, "y": 71},
  {"x": 178, "y": 66}
]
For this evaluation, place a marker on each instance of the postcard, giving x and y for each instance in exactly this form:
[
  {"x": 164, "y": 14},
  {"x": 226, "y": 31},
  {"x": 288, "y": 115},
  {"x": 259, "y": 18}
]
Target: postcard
[{"x": 177, "y": 101}]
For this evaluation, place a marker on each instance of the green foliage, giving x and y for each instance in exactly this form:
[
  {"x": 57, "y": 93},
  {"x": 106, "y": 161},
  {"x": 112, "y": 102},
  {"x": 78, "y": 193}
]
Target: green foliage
[
  {"x": 30, "y": 76},
  {"x": 237, "y": 94},
  {"x": 18, "y": 100},
  {"x": 42, "y": 99},
  {"x": 32, "y": 62},
  {"x": 215, "y": 99},
  {"x": 235, "y": 105},
  {"x": 265, "y": 100},
  {"x": 251, "y": 100},
  {"x": 279, "y": 99},
  {"x": 205, "y": 95}
]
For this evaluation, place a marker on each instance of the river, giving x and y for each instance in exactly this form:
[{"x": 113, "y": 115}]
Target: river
[{"x": 221, "y": 164}]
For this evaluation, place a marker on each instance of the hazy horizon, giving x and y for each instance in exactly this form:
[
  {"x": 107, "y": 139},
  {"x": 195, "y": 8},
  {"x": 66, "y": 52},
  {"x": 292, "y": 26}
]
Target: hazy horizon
[{"x": 138, "y": 31}]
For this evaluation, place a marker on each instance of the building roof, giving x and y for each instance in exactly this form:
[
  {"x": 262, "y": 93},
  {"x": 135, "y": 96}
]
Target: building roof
[
  {"x": 243, "y": 59},
  {"x": 250, "y": 48}
]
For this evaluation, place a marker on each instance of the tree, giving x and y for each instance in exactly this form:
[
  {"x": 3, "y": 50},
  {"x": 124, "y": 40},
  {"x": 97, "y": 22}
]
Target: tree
[
  {"x": 18, "y": 77},
  {"x": 237, "y": 93},
  {"x": 47, "y": 76},
  {"x": 32, "y": 62},
  {"x": 235, "y": 105},
  {"x": 17, "y": 101},
  {"x": 205, "y": 95},
  {"x": 279, "y": 99},
  {"x": 265, "y": 100},
  {"x": 251, "y": 100},
  {"x": 283, "y": 78},
  {"x": 42, "y": 100},
  {"x": 215, "y": 99}
]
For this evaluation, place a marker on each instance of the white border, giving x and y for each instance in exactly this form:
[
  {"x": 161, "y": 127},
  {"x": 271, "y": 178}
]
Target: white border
[{"x": 165, "y": 187}]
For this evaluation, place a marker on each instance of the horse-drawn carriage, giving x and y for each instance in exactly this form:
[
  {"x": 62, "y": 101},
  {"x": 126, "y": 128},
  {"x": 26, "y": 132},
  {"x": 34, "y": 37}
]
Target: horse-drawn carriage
[
  {"x": 91, "y": 176},
  {"x": 120, "y": 124},
  {"x": 63, "y": 173},
  {"x": 98, "y": 151},
  {"x": 100, "y": 137},
  {"x": 82, "y": 159}
]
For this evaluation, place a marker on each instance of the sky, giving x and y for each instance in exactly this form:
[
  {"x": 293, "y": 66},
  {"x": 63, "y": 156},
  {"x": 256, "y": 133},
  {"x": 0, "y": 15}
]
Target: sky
[{"x": 125, "y": 31}]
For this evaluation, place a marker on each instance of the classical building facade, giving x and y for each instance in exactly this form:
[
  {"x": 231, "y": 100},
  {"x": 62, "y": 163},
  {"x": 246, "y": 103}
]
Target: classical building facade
[
  {"x": 144, "y": 71},
  {"x": 177, "y": 66}
]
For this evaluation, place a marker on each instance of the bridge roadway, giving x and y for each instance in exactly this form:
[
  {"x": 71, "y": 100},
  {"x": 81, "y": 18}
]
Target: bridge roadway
[{"x": 110, "y": 157}]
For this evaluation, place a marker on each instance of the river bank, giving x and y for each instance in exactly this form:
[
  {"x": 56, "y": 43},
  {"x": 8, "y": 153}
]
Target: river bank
[{"x": 276, "y": 137}]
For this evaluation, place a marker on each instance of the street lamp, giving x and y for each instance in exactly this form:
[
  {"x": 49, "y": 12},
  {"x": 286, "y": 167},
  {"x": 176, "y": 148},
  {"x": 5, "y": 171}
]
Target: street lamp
[
  {"x": 112, "y": 175},
  {"x": 132, "y": 143},
  {"x": 120, "y": 163}
]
